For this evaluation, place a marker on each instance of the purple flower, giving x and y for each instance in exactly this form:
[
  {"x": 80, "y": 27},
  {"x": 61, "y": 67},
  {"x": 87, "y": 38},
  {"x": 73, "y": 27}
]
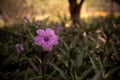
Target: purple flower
[
  {"x": 57, "y": 28},
  {"x": 25, "y": 18},
  {"x": 19, "y": 47},
  {"x": 37, "y": 22},
  {"x": 46, "y": 39}
]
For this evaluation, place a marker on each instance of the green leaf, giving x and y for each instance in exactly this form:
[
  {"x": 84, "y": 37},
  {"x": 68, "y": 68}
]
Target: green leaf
[
  {"x": 43, "y": 23},
  {"x": 63, "y": 51},
  {"x": 6, "y": 61},
  {"x": 26, "y": 74},
  {"x": 80, "y": 58},
  {"x": 30, "y": 33},
  {"x": 59, "y": 70},
  {"x": 65, "y": 44},
  {"x": 51, "y": 75},
  {"x": 111, "y": 72},
  {"x": 33, "y": 65},
  {"x": 93, "y": 64},
  {"x": 74, "y": 42},
  {"x": 36, "y": 78},
  {"x": 101, "y": 66},
  {"x": 86, "y": 73}
]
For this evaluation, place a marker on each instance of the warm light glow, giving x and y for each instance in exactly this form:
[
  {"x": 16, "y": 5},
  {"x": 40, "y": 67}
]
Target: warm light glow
[
  {"x": 88, "y": 11},
  {"x": 98, "y": 14}
]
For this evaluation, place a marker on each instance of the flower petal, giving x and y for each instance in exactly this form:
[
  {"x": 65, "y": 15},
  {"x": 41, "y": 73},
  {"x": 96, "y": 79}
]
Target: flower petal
[
  {"x": 38, "y": 40},
  {"x": 47, "y": 46},
  {"x": 49, "y": 31},
  {"x": 19, "y": 47},
  {"x": 40, "y": 32},
  {"x": 54, "y": 40}
]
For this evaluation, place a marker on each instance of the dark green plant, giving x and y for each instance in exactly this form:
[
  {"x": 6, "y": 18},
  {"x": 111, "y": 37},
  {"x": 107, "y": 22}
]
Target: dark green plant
[{"x": 89, "y": 53}]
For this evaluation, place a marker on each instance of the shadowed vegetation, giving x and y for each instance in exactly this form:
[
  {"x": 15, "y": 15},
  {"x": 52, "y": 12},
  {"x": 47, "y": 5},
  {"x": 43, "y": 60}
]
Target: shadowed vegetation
[{"x": 92, "y": 53}]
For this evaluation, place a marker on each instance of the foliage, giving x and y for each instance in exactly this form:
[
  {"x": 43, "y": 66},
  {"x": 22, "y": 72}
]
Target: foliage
[{"x": 89, "y": 53}]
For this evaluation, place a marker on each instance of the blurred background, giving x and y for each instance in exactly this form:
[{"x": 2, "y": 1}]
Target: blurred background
[
  {"x": 11, "y": 11},
  {"x": 88, "y": 33}
]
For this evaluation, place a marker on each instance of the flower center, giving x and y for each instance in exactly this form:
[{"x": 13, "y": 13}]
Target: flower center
[{"x": 46, "y": 38}]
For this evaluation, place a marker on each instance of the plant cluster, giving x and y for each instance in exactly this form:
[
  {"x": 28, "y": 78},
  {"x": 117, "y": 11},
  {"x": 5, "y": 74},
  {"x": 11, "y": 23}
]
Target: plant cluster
[{"x": 41, "y": 51}]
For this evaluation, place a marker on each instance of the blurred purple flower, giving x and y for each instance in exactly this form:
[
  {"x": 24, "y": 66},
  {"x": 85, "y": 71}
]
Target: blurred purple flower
[
  {"x": 57, "y": 28},
  {"x": 37, "y": 22},
  {"x": 19, "y": 47},
  {"x": 25, "y": 18},
  {"x": 46, "y": 39}
]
